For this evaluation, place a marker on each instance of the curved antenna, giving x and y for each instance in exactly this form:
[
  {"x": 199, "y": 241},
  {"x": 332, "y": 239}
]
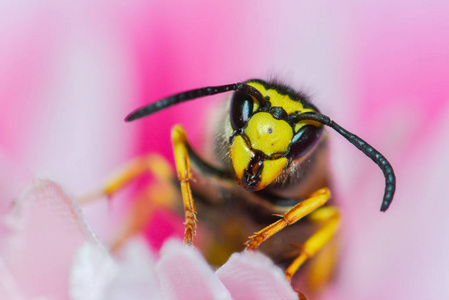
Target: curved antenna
[
  {"x": 379, "y": 159},
  {"x": 190, "y": 95}
]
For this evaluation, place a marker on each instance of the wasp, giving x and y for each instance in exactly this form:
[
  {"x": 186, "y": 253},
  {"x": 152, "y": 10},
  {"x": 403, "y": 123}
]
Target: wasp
[{"x": 267, "y": 172}]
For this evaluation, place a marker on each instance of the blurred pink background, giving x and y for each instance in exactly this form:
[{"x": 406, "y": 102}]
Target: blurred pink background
[{"x": 70, "y": 72}]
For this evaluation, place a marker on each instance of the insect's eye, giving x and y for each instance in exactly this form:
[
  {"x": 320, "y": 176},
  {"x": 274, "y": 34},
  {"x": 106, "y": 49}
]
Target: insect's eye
[
  {"x": 304, "y": 140},
  {"x": 241, "y": 109}
]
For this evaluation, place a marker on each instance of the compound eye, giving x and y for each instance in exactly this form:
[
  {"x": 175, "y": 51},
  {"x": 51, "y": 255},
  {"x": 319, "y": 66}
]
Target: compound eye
[
  {"x": 304, "y": 140},
  {"x": 241, "y": 110}
]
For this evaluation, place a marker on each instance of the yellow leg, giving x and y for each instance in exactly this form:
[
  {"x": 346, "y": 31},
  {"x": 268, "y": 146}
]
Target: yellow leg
[
  {"x": 315, "y": 200},
  {"x": 328, "y": 216},
  {"x": 154, "y": 197},
  {"x": 321, "y": 268},
  {"x": 330, "y": 220},
  {"x": 180, "y": 149},
  {"x": 159, "y": 167},
  {"x": 153, "y": 163}
]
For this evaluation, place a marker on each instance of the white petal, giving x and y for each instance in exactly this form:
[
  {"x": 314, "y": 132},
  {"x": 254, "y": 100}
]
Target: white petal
[
  {"x": 136, "y": 279},
  {"x": 184, "y": 274},
  {"x": 92, "y": 273},
  {"x": 252, "y": 275}
]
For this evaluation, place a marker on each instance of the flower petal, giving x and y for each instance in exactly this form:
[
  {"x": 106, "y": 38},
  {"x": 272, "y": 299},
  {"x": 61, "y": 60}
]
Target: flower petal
[
  {"x": 184, "y": 274},
  {"x": 252, "y": 275},
  {"x": 8, "y": 285},
  {"x": 45, "y": 229},
  {"x": 92, "y": 273},
  {"x": 136, "y": 279}
]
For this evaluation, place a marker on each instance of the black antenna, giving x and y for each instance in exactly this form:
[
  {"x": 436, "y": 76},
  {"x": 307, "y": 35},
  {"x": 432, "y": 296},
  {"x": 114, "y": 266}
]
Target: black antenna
[
  {"x": 190, "y": 95},
  {"x": 367, "y": 149},
  {"x": 379, "y": 159}
]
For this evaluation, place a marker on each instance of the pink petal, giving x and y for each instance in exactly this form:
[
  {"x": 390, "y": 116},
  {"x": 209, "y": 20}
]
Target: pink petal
[
  {"x": 184, "y": 274},
  {"x": 8, "y": 286},
  {"x": 45, "y": 229},
  {"x": 252, "y": 275}
]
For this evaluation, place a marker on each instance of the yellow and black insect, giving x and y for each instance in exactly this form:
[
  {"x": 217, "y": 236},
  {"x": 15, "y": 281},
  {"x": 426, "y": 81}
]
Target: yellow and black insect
[{"x": 271, "y": 142}]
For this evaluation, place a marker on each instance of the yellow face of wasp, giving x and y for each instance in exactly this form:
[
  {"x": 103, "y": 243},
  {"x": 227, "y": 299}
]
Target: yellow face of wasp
[
  {"x": 262, "y": 139},
  {"x": 263, "y": 136}
]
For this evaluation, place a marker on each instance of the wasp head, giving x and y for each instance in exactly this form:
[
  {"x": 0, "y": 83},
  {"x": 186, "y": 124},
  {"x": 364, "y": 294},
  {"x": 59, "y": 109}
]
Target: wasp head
[{"x": 266, "y": 137}]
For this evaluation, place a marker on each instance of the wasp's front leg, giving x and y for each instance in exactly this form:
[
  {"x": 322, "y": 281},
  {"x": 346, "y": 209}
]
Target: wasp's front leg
[
  {"x": 293, "y": 215},
  {"x": 327, "y": 216},
  {"x": 182, "y": 161}
]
